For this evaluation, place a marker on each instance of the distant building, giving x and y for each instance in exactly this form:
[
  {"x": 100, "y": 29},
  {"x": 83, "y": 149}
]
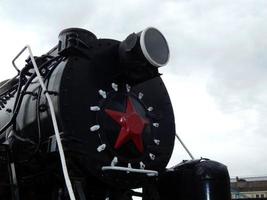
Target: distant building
[{"x": 249, "y": 187}]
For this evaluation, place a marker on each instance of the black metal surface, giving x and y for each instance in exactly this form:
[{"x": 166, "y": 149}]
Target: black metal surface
[
  {"x": 74, "y": 41},
  {"x": 196, "y": 180}
]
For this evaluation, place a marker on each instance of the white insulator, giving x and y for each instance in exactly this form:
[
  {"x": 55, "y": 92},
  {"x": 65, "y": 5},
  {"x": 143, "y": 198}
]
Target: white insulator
[
  {"x": 107, "y": 198},
  {"x": 94, "y": 128},
  {"x": 101, "y": 147},
  {"x": 156, "y": 125},
  {"x": 150, "y": 109},
  {"x": 114, "y": 86},
  {"x": 114, "y": 161},
  {"x": 142, "y": 165},
  {"x": 157, "y": 142},
  {"x": 102, "y": 93},
  {"x": 140, "y": 95},
  {"x": 128, "y": 88},
  {"x": 152, "y": 156},
  {"x": 94, "y": 108}
]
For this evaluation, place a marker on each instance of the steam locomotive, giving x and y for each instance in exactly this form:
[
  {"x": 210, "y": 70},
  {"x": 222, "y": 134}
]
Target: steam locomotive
[{"x": 115, "y": 125}]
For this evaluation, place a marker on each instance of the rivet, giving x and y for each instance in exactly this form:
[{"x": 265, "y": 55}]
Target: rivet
[
  {"x": 150, "y": 109},
  {"x": 94, "y": 128},
  {"x": 152, "y": 156},
  {"x": 128, "y": 88},
  {"x": 156, "y": 125},
  {"x": 102, "y": 93},
  {"x": 94, "y": 108},
  {"x": 114, "y": 161},
  {"x": 101, "y": 147},
  {"x": 157, "y": 142},
  {"x": 140, "y": 95},
  {"x": 142, "y": 165},
  {"x": 114, "y": 86}
]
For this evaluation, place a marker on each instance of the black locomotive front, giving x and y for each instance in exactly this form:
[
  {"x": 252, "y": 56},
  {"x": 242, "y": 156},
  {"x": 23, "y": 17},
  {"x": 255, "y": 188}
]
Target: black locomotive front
[{"x": 114, "y": 114}]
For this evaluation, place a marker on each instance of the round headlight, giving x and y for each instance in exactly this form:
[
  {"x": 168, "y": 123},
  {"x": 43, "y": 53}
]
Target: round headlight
[{"x": 154, "y": 46}]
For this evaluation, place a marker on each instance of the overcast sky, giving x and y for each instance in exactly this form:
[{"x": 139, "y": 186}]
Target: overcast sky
[{"x": 216, "y": 77}]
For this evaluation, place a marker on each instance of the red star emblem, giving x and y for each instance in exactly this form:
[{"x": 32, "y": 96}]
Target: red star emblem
[{"x": 132, "y": 126}]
